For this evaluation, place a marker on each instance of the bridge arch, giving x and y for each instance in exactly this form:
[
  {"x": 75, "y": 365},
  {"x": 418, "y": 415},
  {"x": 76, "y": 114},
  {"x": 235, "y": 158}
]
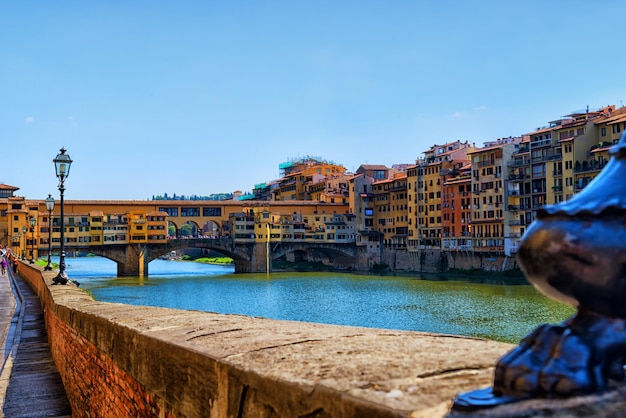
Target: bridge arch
[{"x": 332, "y": 255}]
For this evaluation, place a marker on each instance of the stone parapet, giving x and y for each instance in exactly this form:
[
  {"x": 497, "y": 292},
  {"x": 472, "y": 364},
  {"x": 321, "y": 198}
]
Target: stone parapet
[{"x": 122, "y": 360}]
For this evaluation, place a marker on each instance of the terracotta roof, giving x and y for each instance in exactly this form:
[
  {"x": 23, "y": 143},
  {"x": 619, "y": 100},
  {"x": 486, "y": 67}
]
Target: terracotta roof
[
  {"x": 383, "y": 181},
  {"x": 542, "y": 130},
  {"x": 457, "y": 181},
  {"x": 7, "y": 187},
  {"x": 488, "y": 148},
  {"x": 617, "y": 120},
  {"x": 374, "y": 167}
]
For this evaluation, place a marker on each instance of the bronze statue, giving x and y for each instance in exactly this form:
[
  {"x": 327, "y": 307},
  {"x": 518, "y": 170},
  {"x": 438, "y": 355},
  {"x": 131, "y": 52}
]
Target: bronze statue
[{"x": 575, "y": 252}]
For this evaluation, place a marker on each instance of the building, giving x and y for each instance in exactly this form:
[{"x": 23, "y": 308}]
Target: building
[
  {"x": 427, "y": 182},
  {"x": 490, "y": 221},
  {"x": 456, "y": 207},
  {"x": 303, "y": 176}
]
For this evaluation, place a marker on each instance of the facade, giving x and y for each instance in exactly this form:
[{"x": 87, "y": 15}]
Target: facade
[
  {"x": 305, "y": 176},
  {"x": 490, "y": 220},
  {"x": 427, "y": 182},
  {"x": 362, "y": 205},
  {"x": 81, "y": 228},
  {"x": 456, "y": 207},
  {"x": 391, "y": 210}
]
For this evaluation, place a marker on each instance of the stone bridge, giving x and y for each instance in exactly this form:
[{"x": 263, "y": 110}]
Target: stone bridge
[{"x": 133, "y": 259}]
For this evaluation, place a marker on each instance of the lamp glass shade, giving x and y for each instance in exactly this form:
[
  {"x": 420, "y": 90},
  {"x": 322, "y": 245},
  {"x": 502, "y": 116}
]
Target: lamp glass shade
[
  {"x": 62, "y": 164},
  {"x": 33, "y": 221},
  {"x": 50, "y": 203}
]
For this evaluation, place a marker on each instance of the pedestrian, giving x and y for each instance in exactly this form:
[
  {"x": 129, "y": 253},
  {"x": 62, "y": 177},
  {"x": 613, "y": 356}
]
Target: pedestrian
[{"x": 3, "y": 265}]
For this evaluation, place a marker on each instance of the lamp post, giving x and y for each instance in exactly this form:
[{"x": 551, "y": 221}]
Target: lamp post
[
  {"x": 24, "y": 231},
  {"x": 62, "y": 163},
  {"x": 17, "y": 238},
  {"x": 33, "y": 221},
  {"x": 50, "y": 207}
]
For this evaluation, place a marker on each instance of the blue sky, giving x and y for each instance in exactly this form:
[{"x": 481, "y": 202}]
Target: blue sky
[{"x": 201, "y": 97}]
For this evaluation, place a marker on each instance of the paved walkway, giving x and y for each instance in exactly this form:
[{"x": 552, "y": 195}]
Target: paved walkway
[{"x": 30, "y": 385}]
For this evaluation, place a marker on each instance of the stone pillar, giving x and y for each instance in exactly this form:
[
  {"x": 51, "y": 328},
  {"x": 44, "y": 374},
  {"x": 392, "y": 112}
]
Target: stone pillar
[
  {"x": 257, "y": 262},
  {"x": 136, "y": 262}
]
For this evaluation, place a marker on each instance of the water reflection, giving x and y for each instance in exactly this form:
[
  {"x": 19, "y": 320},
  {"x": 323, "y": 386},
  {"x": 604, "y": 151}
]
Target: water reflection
[{"x": 503, "y": 309}]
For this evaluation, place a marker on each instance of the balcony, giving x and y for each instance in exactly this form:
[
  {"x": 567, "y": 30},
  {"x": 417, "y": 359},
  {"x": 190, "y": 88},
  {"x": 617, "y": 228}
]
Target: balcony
[
  {"x": 541, "y": 143},
  {"x": 592, "y": 166},
  {"x": 552, "y": 157},
  {"x": 517, "y": 177}
]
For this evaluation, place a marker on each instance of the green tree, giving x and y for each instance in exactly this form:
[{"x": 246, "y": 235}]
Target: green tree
[{"x": 185, "y": 230}]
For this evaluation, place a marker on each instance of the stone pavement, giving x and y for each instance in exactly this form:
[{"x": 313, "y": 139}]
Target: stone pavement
[{"x": 30, "y": 385}]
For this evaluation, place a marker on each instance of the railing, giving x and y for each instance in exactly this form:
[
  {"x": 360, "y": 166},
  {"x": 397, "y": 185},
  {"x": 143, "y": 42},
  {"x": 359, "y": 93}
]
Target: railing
[
  {"x": 518, "y": 162},
  {"x": 541, "y": 143},
  {"x": 590, "y": 167}
]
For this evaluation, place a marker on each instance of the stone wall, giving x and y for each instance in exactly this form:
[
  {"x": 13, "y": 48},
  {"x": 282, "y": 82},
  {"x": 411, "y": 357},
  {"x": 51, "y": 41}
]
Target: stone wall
[
  {"x": 133, "y": 361},
  {"x": 437, "y": 261}
]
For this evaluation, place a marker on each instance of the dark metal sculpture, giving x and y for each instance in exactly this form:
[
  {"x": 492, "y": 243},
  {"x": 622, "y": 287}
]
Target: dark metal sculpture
[{"x": 575, "y": 253}]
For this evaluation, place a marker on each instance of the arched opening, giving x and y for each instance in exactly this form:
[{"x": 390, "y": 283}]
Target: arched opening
[{"x": 211, "y": 230}]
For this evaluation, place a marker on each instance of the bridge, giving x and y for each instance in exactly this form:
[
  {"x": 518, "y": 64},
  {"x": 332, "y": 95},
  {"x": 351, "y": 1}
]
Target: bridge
[{"x": 133, "y": 259}]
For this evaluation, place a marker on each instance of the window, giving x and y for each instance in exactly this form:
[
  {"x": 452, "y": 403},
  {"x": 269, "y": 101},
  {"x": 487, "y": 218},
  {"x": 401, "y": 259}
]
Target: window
[
  {"x": 190, "y": 211},
  {"x": 211, "y": 211},
  {"x": 170, "y": 211}
]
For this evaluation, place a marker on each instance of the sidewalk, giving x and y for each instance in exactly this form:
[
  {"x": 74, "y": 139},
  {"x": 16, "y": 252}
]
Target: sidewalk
[{"x": 30, "y": 385}]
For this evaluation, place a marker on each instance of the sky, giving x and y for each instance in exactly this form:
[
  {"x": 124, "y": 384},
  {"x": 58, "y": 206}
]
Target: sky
[{"x": 202, "y": 97}]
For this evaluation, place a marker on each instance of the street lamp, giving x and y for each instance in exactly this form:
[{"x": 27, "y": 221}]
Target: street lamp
[
  {"x": 62, "y": 163},
  {"x": 24, "y": 231},
  {"x": 50, "y": 207},
  {"x": 33, "y": 221},
  {"x": 18, "y": 239}
]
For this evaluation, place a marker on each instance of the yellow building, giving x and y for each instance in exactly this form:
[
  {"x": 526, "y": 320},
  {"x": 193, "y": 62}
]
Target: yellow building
[
  {"x": 490, "y": 226},
  {"x": 391, "y": 210},
  {"x": 83, "y": 227},
  {"x": 426, "y": 185}
]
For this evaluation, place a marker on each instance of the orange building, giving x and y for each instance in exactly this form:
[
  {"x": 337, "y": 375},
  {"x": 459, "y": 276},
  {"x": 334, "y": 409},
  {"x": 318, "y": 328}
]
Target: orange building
[{"x": 456, "y": 207}]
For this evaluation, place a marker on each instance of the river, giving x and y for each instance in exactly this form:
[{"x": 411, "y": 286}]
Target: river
[{"x": 498, "y": 309}]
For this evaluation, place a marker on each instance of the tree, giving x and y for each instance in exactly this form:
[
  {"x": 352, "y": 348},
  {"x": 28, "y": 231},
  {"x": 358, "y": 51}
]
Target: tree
[{"x": 185, "y": 230}]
